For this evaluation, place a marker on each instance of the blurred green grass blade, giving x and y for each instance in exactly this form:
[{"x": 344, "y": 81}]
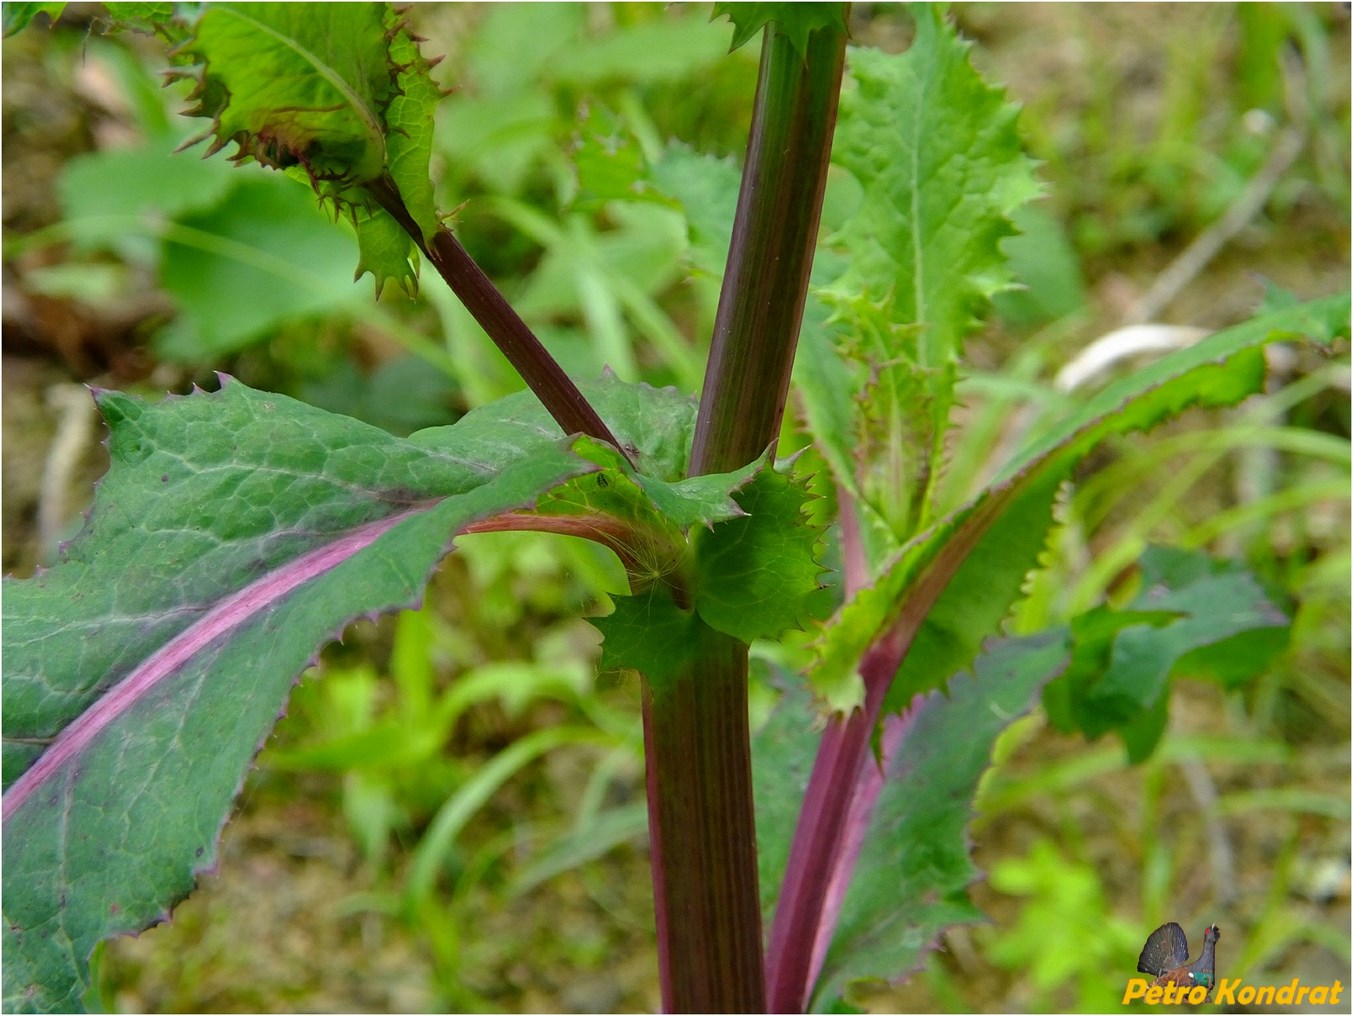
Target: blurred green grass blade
[
  {"x": 438, "y": 842},
  {"x": 608, "y": 830}
]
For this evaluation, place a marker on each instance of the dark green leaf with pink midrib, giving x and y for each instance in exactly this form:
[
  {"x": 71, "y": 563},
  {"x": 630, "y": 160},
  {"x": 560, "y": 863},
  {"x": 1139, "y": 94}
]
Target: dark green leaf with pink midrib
[{"x": 140, "y": 682}]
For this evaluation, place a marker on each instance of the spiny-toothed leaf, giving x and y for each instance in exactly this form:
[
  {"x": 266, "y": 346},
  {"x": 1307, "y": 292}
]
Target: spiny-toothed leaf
[
  {"x": 826, "y": 387},
  {"x": 950, "y": 588},
  {"x": 409, "y": 125},
  {"x": 911, "y": 879},
  {"x": 1193, "y": 615},
  {"x": 730, "y": 551},
  {"x": 130, "y": 12},
  {"x": 937, "y": 153},
  {"x": 386, "y": 251},
  {"x": 234, "y": 535},
  {"x": 656, "y": 425},
  {"x": 651, "y": 634},
  {"x": 937, "y": 157},
  {"x": 339, "y": 92},
  {"x": 796, "y": 20},
  {"x": 296, "y": 84},
  {"x": 911, "y": 872},
  {"x": 643, "y": 519},
  {"x": 892, "y": 443},
  {"x": 758, "y": 575}
]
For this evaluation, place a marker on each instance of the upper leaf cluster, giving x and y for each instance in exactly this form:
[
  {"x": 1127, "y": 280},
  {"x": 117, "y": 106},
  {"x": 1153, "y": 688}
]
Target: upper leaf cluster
[{"x": 337, "y": 94}]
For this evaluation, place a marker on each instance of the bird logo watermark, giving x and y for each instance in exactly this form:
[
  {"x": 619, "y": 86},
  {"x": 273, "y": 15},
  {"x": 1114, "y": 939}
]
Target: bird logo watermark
[{"x": 1178, "y": 982}]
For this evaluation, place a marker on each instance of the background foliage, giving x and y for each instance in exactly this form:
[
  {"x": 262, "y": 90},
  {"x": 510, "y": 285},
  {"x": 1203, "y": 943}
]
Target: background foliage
[{"x": 441, "y": 737}]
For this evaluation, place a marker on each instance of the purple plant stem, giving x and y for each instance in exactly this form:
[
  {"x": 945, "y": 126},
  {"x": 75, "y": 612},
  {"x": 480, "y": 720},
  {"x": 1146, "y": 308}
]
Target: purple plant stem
[
  {"x": 862, "y": 803},
  {"x": 704, "y": 862},
  {"x": 770, "y": 256},
  {"x": 821, "y": 835},
  {"x": 504, "y": 326},
  {"x": 701, "y": 813}
]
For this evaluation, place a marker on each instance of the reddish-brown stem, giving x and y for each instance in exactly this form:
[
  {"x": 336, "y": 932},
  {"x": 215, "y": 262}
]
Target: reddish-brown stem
[
  {"x": 761, "y": 304},
  {"x": 819, "y": 838},
  {"x": 701, "y": 815},
  {"x": 504, "y": 326},
  {"x": 704, "y": 862}
]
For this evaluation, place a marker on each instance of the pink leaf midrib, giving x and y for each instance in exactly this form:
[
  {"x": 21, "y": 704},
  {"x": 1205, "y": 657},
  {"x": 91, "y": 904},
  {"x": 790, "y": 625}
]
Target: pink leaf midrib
[{"x": 231, "y": 613}]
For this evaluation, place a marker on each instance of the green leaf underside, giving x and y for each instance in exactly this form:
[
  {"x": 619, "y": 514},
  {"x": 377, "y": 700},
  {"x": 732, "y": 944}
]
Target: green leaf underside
[
  {"x": 177, "y": 590},
  {"x": 1192, "y": 615},
  {"x": 796, "y": 20},
  {"x": 911, "y": 879},
  {"x": 335, "y": 92},
  {"x": 936, "y": 154},
  {"x": 955, "y": 584}
]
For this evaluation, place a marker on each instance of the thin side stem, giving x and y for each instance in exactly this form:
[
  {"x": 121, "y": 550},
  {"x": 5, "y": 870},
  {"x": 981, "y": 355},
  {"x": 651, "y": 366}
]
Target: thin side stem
[{"x": 495, "y": 315}]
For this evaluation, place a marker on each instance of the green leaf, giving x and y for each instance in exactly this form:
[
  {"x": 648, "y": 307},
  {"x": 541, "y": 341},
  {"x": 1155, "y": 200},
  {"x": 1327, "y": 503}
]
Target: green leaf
[
  {"x": 338, "y": 92},
  {"x": 297, "y": 85},
  {"x": 936, "y": 154},
  {"x": 910, "y": 880},
  {"x": 796, "y": 20},
  {"x": 655, "y": 424},
  {"x": 18, "y": 15},
  {"x": 758, "y": 575},
  {"x": 645, "y": 520},
  {"x": 112, "y": 198},
  {"x": 730, "y": 551},
  {"x": 651, "y": 634},
  {"x": 235, "y": 534},
  {"x": 950, "y": 588},
  {"x": 608, "y": 159},
  {"x": 783, "y": 750},
  {"x": 1192, "y": 615},
  {"x": 133, "y": 15},
  {"x": 707, "y": 188},
  {"x": 668, "y": 48},
  {"x": 1044, "y": 261},
  {"x": 409, "y": 132},
  {"x": 824, "y": 384},
  {"x": 385, "y": 251},
  {"x": 911, "y": 875}
]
